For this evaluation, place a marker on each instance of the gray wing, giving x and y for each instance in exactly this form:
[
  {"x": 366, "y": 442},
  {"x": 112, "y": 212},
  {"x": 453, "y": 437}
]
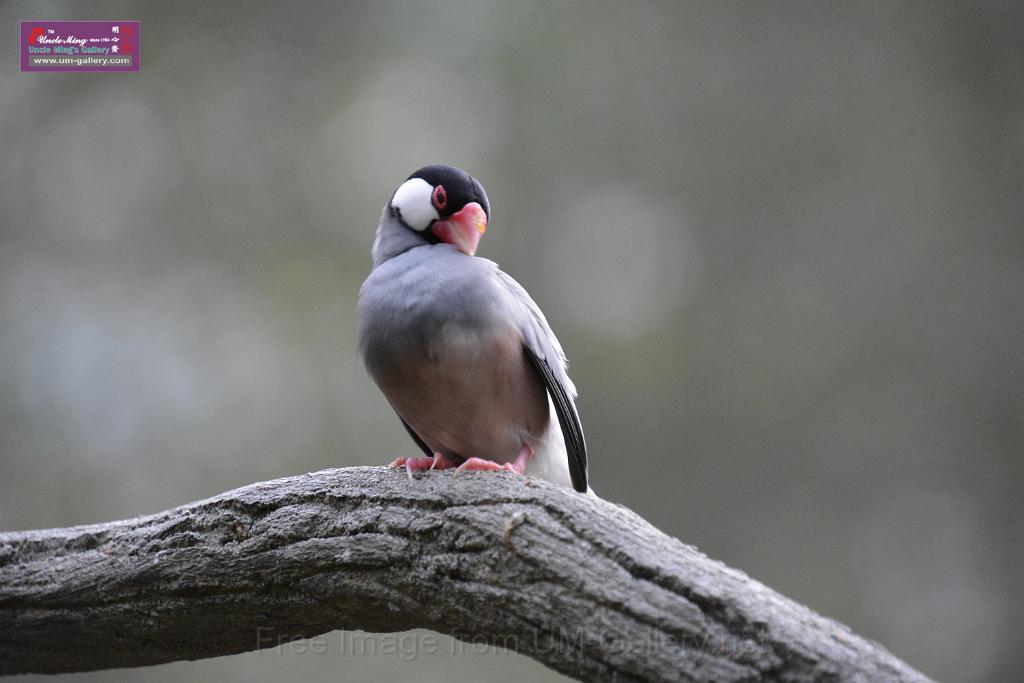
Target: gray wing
[{"x": 542, "y": 348}]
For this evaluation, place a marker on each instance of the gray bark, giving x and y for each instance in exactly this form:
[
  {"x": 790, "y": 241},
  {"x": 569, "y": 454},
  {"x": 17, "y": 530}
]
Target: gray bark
[{"x": 580, "y": 584}]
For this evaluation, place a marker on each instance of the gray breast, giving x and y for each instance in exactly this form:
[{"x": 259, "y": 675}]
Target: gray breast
[
  {"x": 413, "y": 300},
  {"x": 442, "y": 339}
]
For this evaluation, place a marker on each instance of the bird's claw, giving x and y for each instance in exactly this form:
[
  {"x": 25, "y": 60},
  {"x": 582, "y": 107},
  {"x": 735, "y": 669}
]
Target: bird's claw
[
  {"x": 481, "y": 465},
  {"x": 438, "y": 462}
]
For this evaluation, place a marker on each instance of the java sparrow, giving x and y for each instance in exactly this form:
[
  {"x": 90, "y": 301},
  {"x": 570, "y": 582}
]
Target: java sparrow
[{"x": 459, "y": 349}]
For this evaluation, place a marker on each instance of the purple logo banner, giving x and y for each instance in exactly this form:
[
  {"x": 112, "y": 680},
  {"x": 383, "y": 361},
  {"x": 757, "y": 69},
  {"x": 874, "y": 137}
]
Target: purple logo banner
[{"x": 79, "y": 46}]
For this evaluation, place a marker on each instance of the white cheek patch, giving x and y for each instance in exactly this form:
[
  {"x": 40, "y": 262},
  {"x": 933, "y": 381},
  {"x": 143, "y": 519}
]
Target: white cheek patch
[{"x": 412, "y": 200}]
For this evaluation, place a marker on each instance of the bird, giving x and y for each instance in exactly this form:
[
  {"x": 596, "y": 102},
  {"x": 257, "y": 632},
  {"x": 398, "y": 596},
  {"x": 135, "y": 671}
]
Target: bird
[{"x": 459, "y": 349}]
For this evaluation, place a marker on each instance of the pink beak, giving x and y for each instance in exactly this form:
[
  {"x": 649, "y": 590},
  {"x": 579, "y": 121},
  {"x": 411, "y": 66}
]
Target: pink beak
[{"x": 463, "y": 229}]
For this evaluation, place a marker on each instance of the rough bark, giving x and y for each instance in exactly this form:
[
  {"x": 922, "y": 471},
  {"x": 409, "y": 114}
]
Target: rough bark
[{"x": 582, "y": 585}]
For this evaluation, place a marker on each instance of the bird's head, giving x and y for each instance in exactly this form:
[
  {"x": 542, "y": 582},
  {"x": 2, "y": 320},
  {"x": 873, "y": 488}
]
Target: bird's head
[{"x": 444, "y": 204}]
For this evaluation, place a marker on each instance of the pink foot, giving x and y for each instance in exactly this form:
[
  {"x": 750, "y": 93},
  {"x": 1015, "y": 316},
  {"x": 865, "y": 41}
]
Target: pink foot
[
  {"x": 480, "y": 465},
  {"x": 438, "y": 462}
]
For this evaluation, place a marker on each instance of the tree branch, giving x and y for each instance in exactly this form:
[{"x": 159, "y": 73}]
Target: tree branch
[{"x": 580, "y": 584}]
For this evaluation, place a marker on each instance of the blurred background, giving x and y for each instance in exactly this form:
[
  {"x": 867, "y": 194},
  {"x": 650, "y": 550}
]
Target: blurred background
[{"x": 781, "y": 243}]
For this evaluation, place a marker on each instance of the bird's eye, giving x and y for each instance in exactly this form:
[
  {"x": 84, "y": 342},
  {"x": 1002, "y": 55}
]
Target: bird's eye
[{"x": 439, "y": 198}]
